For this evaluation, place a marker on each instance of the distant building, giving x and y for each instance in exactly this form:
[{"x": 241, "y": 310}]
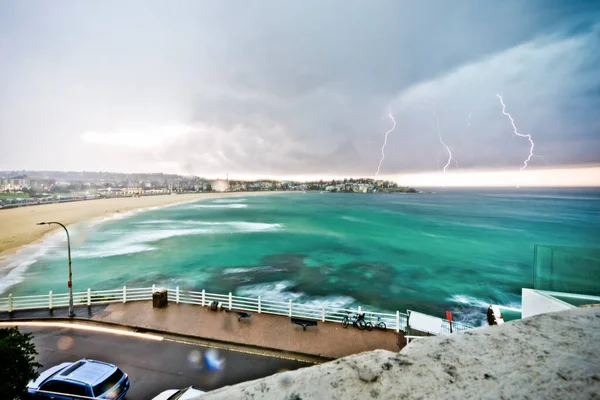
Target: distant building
[{"x": 132, "y": 190}]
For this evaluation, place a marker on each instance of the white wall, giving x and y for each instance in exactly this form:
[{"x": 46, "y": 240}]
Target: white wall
[{"x": 534, "y": 303}]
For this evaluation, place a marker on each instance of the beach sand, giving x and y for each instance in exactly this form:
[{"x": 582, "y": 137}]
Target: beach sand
[{"x": 18, "y": 225}]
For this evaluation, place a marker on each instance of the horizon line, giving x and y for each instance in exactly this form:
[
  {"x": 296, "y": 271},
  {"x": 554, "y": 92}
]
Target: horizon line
[{"x": 572, "y": 176}]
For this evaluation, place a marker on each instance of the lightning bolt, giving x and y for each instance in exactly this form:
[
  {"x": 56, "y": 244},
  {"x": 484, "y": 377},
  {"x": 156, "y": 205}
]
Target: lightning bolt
[
  {"x": 384, "y": 143},
  {"x": 528, "y": 136},
  {"x": 450, "y": 158}
]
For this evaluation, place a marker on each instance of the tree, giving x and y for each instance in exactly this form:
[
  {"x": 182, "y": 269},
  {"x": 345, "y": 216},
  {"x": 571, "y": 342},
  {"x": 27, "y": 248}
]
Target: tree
[{"x": 17, "y": 363}]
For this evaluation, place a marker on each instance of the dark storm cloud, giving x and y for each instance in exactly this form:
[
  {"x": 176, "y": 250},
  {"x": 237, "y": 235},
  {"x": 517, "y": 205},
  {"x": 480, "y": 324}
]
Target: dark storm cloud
[{"x": 296, "y": 87}]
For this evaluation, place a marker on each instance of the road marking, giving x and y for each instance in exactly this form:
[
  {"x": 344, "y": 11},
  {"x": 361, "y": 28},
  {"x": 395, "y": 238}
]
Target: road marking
[{"x": 83, "y": 327}]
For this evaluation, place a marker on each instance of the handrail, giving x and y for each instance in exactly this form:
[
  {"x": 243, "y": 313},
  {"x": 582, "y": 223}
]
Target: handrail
[{"x": 323, "y": 312}]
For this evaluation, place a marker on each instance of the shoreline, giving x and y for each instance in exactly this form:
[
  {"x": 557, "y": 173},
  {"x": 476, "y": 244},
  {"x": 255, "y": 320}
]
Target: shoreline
[{"x": 19, "y": 227}]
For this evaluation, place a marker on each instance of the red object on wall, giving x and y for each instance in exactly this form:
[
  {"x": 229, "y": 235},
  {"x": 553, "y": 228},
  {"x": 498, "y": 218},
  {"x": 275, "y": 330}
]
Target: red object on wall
[
  {"x": 69, "y": 284},
  {"x": 448, "y": 315}
]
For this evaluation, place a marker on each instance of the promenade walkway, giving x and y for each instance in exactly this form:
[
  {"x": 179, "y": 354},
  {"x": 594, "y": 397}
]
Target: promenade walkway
[{"x": 275, "y": 332}]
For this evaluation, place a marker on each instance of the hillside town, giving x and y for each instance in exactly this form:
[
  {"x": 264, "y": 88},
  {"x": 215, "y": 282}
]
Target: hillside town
[{"x": 37, "y": 187}]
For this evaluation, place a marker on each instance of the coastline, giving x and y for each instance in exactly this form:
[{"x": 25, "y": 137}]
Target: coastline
[{"x": 19, "y": 224}]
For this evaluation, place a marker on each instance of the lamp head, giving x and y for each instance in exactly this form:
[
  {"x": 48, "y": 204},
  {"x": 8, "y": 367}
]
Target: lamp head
[{"x": 41, "y": 223}]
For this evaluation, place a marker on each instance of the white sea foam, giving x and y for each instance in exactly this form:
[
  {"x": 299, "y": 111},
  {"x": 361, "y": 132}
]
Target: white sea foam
[
  {"x": 469, "y": 301},
  {"x": 355, "y": 219},
  {"x": 254, "y": 226},
  {"x": 14, "y": 266},
  {"x": 277, "y": 291},
  {"x": 473, "y": 310},
  {"x": 113, "y": 249},
  {"x": 230, "y": 200},
  {"x": 433, "y": 235},
  {"x": 234, "y": 205},
  {"x": 238, "y": 226},
  {"x": 274, "y": 291},
  {"x": 156, "y": 235},
  {"x": 336, "y": 302},
  {"x": 114, "y": 215},
  {"x": 125, "y": 242},
  {"x": 470, "y": 310},
  {"x": 136, "y": 242},
  {"x": 230, "y": 271},
  {"x": 157, "y": 221}
]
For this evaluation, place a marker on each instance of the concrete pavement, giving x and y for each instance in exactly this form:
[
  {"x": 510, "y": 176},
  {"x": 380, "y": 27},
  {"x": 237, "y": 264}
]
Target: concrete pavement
[{"x": 327, "y": 340}]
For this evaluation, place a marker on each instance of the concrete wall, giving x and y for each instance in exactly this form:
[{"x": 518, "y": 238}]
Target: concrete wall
[{"x": 535, "y": 303}]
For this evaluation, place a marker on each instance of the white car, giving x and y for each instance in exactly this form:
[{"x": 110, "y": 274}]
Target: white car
[{"x": 188, "y": 393}]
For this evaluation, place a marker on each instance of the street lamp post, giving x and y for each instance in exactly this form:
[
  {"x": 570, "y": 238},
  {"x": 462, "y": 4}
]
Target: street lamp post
[{"x": 70, "y": 283}]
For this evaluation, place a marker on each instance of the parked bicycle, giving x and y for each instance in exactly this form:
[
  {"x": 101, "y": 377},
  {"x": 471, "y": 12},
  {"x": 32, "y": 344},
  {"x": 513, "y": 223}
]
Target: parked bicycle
[
  {"x": 379, "y": 324},
  {"x": 358, "y": 320}
]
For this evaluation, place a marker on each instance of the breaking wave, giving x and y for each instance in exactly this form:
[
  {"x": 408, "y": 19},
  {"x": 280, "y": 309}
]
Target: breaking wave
[
  {"x": 472, "y": 310},
  {"x": 14, "y": 267},
  {"x": 234, "y": 205},
  {"x": 123, "y": 243},
  {"x": 231, "y": 271},
  {"x": 237, "y": 226},
  {"x": 277, "y": 291},
  {"x": 469, "y": 310},
  {"x": 230, "y": 200},
  {"x": 132, "y": 243}
]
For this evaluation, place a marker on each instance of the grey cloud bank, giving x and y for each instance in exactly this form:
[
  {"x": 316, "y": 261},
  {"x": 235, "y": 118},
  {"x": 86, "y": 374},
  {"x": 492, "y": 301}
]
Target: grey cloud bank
[{"x": 288, "y": 88}]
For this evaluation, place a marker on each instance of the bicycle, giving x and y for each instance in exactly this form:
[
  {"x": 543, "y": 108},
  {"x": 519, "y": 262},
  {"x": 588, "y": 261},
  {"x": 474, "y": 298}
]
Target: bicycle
[
  {"x": 379, "y": 324},
  {"x": 357, "y": 320}
]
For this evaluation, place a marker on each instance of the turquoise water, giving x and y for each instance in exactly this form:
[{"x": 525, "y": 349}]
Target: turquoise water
[{"x": 431, "y": 252}]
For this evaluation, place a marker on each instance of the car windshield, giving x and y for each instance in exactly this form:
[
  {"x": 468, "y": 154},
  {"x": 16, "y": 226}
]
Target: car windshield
[{"x": 108, "y": 383}]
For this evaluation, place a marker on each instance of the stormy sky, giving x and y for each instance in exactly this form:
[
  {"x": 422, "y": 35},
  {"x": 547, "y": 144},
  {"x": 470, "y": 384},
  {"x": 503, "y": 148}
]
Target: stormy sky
[{"x": 287, "y": 88}]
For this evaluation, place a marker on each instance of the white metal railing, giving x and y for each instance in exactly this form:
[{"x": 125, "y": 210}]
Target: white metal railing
[{"x": 323, "y": 312}]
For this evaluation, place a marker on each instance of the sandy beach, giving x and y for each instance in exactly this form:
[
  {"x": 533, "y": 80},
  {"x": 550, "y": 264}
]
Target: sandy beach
[{"x": 18, "y": 225}]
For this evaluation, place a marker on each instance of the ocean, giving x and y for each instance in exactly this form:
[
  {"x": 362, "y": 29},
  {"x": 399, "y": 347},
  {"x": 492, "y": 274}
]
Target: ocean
[{"x": 436, "y": 251}]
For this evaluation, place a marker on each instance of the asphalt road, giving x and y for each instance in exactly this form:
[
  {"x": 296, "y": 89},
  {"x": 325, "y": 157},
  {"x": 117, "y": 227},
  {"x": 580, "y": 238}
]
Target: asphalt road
[{"x": 154, "y": 366}]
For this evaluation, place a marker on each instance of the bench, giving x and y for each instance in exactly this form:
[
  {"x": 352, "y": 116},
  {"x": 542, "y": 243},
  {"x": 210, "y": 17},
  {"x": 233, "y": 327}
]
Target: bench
[
  {"x": 243, "y": 315},
  {"x": 304, "y": 322},
  {"x": 216, "y": 306}
]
